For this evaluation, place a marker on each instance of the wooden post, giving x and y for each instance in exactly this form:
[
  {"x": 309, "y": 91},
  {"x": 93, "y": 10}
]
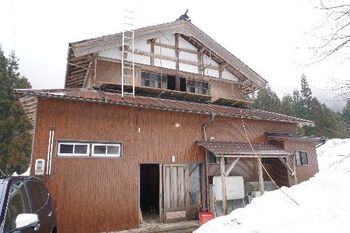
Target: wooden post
[
  {"x": 177, "y": 53},
  {"x": 294, "y": 169},
  {"x": 152, "y": 52},
  {"x": 261, "y": 178},
  {"x": 223, "y": 180},
  {"x": 161, "y": 207}
]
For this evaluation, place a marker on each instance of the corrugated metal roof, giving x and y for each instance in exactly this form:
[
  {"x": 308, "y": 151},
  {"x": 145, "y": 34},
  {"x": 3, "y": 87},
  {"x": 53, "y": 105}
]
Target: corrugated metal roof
[
  {"x": 163, "y": 104},
  {"x": 239, "y": 149}
]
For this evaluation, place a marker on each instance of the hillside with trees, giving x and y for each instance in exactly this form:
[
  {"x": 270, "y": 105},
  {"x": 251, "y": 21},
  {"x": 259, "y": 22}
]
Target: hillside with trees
[
  {"x": 15, "y": 140},
  {"x": 304, "y": 105}
]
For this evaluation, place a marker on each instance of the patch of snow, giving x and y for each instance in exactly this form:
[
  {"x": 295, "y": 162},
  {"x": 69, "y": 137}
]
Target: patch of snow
[
  {"x": 26, "y": 173},
  {"x": 324, "y": 203}
]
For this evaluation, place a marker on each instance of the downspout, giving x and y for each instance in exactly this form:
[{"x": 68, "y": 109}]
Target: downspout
[{"x": 206, "y": 163}]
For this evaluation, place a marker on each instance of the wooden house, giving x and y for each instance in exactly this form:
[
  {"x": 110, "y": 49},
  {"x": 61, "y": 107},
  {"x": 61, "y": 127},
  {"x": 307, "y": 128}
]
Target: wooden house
[{"x": 110, "y": 161}]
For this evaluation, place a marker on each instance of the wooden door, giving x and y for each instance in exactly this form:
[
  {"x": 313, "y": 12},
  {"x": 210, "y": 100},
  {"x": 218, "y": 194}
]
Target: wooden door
[{"x": 175, "y": 187}]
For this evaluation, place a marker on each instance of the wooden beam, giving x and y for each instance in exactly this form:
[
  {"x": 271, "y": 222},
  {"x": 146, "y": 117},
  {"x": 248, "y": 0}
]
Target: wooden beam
[
  {"x": 261, "y": 178},
  {"x": 229, "y": 169},
  {"x": 177, "y": 54},
  {"x": 168, "y": 46},
  {"x": 295, "y": 169},
  {"x": 174, "y": 59},
  {"x": 290, "y": 170},
  {"x": 223, "y": 181},
  {"x": 151, "y": 61}
]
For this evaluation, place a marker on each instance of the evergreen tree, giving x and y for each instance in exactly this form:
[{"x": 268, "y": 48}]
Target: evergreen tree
[
  {"x": 267, "y": 100},
  {"x": 287, "y": 105},
  {"x": 346, "y": 112},
  {"x": 15, "y": 141}
]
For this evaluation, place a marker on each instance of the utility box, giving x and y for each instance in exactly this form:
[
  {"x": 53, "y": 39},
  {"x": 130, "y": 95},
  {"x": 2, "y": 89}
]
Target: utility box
[
  {"x": 234, "y": 187},
  {"x": 39, "y": 167}
]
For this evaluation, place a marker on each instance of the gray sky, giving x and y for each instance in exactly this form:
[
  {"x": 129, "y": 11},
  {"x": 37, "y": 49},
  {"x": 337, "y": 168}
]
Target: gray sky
[{"x": 271, "y": 36}]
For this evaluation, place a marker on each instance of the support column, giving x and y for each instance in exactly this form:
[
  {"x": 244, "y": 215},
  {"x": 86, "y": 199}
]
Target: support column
[
  {"x": 261, "y": 178},
  {"x": 293, "y": 160},
  {"x": 223, "y": 180}
]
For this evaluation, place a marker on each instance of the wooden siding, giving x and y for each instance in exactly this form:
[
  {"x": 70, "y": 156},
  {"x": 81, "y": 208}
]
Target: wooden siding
[
  {"x": 225, "y": 90},
  {"x": 102, "y": 193},
  {"x": 110, "y": 73},
  {"x": 306, "y": 171}
]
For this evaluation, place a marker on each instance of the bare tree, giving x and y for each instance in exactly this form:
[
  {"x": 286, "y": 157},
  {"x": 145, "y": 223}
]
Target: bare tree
[{"x": 334, "y": 29}]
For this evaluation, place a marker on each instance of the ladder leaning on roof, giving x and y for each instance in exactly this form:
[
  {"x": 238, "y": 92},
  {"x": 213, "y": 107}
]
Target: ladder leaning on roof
[{"x": 128, "y": 43}]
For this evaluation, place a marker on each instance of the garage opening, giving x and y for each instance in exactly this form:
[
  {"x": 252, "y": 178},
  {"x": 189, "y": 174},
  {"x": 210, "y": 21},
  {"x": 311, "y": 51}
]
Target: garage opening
[{"x": 149, "y": 192}]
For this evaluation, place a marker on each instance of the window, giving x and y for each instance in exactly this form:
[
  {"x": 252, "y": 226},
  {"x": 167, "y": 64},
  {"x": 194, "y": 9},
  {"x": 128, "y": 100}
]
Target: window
[
  {"x": 36, "y": 195},
  {"x": 195, "y": 171},
  {"x": 106, "y": 150},
  {"x": 89, "y": 149},
  {"x": 18, "y": 204},
  {"x": 198, "y": 87},
  {"x": 301, "y": 158},
  {"x": 151, "y": 80},
  {"x": 73, "y": 149}
]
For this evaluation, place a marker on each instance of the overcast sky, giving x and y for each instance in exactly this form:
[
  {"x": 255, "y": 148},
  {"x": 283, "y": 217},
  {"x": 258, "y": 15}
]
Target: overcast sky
[{"x": 270, "y": 36}]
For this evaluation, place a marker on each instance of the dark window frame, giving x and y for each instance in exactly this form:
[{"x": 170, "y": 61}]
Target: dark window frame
[
  {"x": 149, "y": 79},
  {"x": 197, "y": 87},
  {"x": 302, "y": 158}
]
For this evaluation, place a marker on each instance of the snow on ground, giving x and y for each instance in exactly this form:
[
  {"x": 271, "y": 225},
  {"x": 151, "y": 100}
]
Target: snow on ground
[
  {"x": 324, "y": 201},
  {"x": 26, "y": 173}
]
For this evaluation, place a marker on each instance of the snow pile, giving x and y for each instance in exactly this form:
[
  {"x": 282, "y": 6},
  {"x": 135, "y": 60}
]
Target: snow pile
[
  {"x": 334, "y": 156},
  {"x": 26, "y": 173},
  {"x": 324, "y": 203}
]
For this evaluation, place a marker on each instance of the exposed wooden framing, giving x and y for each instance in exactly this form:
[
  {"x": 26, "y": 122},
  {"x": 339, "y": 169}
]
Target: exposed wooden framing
[
  {"x": 290, "y": 170},
  {"x": 261, "y": 178},
  {"x": 76, "y": 65},
  {"x": 232, "y": 165},
  {"x": 200, "y": 62},
  {"x": 177, "y": 54},
  {"x": 185, "y": 50},
  {"x": 223, "y": 180},
  {"x": 163, "y": 57},
  {"x": 173, "y": 72}
]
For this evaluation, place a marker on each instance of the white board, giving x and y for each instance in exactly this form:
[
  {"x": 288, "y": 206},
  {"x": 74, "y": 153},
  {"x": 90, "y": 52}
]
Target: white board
[{"x": 234, "y": 187}]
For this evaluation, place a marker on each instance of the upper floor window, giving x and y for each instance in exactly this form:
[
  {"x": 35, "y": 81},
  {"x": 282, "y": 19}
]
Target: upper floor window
[
  {"x": 151, "y": 80},
  {"x": 301, "y": 158},
  {"x": 198, "y": 87}
]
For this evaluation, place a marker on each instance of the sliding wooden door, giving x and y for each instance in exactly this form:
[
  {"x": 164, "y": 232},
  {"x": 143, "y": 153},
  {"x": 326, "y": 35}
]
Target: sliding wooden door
[{"x": 175, "y": 186}]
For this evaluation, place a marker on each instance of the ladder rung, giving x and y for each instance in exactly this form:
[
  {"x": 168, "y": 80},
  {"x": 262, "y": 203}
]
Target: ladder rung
[
  {"x": 128, "y": 68},
  {"x": 128, "y": 76}
]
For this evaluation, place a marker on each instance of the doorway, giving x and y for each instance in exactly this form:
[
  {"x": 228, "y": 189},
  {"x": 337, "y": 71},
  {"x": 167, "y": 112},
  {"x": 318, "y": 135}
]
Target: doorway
[{"x": 149, "y": 192}]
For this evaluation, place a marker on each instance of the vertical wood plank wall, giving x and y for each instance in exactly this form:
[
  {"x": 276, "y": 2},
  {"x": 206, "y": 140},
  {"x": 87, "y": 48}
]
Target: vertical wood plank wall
[
  {"x": 101, "y": 194},
  {"x": 306, "y": 171}
]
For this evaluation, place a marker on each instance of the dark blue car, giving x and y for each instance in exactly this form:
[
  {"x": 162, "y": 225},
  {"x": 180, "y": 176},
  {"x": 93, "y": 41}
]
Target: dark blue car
[{"x": 25, "y": 206}]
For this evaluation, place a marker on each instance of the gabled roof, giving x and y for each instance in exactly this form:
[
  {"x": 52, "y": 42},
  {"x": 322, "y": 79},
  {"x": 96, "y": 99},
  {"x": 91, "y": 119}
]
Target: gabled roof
[
  {"x": 162, "y": 104},
  {"x": 189, "y": 31}
]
